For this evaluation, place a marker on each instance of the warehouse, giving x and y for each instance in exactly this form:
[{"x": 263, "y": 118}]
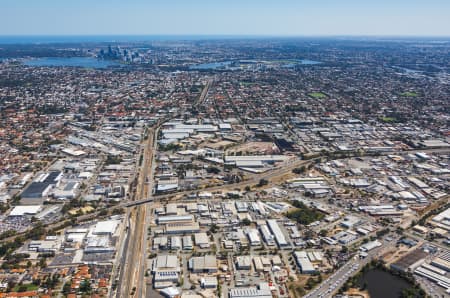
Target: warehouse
[
  {"x": 175, "y": 219},
  {"x": 304, "y": 263},
  {"x": 208, "y": 282},
  {"x": 175, "y": 243},
  {"x": 201, "y": 240},
  {"x": 439, "y": 279},
  {"x": 370, "y": 245},
  {"x": 442, "y": 220},
  {"x": 263, "y": 291},
  {"x": 206, "y": 263},
  {"x": 442, "y": 262},
  {"x": 258, "y": 264},
  {"x": 267, "y": 236},
  {"x": 411, "y": 260},
  {"x": 243, "y": 262},
  {"x": 253, "y": 237},
  {"x": 166, "y": 263},
  {"x": 107, "y": 227},
  {"x": 40, "y": 188},
  {"x": 182, "y": 228},
  {"x": 253, "y": 161},
  {"x": 19, "y": 211},
  {"x": 69, "y": 191},
  {"x": 278, "y": 234},
  {"x": 163, "y": 276},
  {"x": 187, "y": 243},
  {"x": 98, "y": 244}
]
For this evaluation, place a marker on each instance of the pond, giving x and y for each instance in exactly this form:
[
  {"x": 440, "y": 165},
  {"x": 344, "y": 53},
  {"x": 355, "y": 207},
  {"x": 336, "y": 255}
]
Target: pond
[{"x": 382, "y": 284}]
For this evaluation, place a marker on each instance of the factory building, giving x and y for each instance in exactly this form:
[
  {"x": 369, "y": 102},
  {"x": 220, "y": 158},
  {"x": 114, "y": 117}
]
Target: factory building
[{"x": 278, "y": 234}]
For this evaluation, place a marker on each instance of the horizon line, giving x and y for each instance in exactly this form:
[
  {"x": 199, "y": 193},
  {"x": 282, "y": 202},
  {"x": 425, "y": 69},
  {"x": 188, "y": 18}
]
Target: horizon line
[{"x": 219, "y": 35}]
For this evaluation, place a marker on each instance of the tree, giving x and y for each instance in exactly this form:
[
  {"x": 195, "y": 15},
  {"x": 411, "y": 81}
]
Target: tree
[
  {"x": 299, "y": 170},
  {"x": 67, "y": 287},
  {"x": 85, "y": 286},
  {"x": 246, "y": 222},
  {"x": 310, "y": 283},
  {"x": 42, "y": 263},
  {"x": 263, "y": 182},
  {"x": 213, "y": 170},
  {"x": 213, "y": 229}
]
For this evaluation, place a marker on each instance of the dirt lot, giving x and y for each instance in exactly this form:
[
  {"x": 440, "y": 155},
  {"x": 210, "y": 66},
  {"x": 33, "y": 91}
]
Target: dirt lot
[
  {"x": 356, "y": 293},
  {"x": 255, "y": 147}
]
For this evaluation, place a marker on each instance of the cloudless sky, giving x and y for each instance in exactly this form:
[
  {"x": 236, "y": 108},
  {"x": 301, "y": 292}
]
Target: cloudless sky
[{"x": 225, "y": 17}]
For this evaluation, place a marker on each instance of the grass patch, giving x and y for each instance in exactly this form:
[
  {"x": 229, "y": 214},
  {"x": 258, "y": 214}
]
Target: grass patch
[
  {"x": 409, "y": 94},
  {"x": 317, "y": 95},
  {"x": 388, "y": 119},
  {"x": 25, "y": 288}
]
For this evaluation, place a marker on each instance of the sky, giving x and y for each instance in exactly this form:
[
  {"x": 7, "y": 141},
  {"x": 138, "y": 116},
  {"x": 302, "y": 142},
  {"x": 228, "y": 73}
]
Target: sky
[{"x": 226, "y": 17}]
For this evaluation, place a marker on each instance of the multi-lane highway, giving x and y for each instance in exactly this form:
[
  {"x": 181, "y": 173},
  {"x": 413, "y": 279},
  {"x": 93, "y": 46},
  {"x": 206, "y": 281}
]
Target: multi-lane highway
[
  {"x": 270, "y": 175},
  {"x": 334, "y": 282},
  {"x": 133, "y": 264}
]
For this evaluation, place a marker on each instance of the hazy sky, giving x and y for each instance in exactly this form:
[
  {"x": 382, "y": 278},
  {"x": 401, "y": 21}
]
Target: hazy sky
[{"x": 230, "y": 17}]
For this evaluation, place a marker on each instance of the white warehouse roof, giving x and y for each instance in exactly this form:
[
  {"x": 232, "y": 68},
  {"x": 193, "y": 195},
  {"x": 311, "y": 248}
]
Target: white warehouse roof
[
  {"x": 106, "y": 227},
  {"x": 25, "y": 210}
]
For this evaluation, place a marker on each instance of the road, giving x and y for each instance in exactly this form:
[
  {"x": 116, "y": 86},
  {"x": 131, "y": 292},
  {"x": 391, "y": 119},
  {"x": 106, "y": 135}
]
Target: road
[
  {"x": 285, "y": 168},
  {"x": 270, "y": 175},
  {"x": 333, "y": 283},
  {"x": 131, "y": 279},
  {"x": 204, "y": 94},
  {"x": 278, "y": 172}
]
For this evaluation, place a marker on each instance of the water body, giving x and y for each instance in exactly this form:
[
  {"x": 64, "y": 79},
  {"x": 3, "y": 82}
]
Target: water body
[
  {"x": 212, "y": 65},
  {"x": 227, "y": 64},
  {"x": 86, "y": 62},
  {"x": 302, "y": 62},
  {"x": 382, "y": 284}
]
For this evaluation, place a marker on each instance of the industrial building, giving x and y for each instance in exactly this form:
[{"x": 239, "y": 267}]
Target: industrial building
[
  {"x": 278, "y": 234},
  {"x": 262, "y": 291},
  {"x": 303, "y": 262},
  {"x": 206, "y": 264},
  {"x": 39, "y": 189}
]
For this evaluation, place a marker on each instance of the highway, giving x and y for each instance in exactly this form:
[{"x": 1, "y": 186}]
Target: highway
[
  {"x": 269, "y": 175},
  {"x": 334, "y": 282},
  {"x": 277, "y": 172},
  {"x": 285, "y": 168},
  {"x": 133, "y": 264},
  {"x": 204, "y": 94}
]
